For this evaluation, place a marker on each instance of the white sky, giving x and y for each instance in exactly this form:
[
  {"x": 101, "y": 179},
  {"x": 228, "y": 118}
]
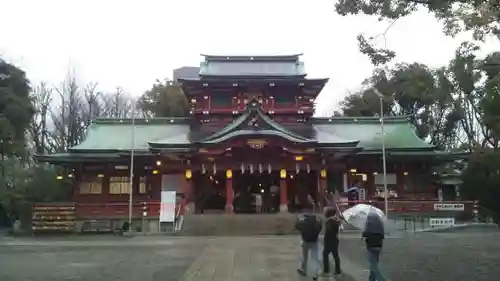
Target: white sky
[{"x": 132, "y": 43}]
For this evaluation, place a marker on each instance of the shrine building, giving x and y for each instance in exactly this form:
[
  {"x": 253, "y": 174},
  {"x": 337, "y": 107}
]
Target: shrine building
[{"x": 251, "y": 131}]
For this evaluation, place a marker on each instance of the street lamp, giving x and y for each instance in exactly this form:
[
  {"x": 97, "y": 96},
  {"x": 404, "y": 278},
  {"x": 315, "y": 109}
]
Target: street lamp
[
  {"x": 131, "y": 168},
  {"x": 384, "y": 165}
]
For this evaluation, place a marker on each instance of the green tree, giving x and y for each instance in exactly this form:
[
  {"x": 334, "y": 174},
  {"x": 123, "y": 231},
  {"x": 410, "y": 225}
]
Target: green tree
[
  {"x": 453, "y": 106},
  {"x": 26, "y": 184},
  {"x": 164, "y": 99},
  {"x": 16, "y": 108},
  {"x": 412, "y": 90},
  {"x": 482, "y": 17},
  {"x": 480, "y": 181}
]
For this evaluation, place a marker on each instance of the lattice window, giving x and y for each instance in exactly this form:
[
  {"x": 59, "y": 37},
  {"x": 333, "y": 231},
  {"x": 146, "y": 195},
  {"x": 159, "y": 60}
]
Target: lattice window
[
  {"x": 90, "y": 187},
  {"x": 119, "y": 185}
]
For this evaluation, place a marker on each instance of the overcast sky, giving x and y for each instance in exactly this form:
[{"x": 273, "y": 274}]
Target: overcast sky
[{"x": 132, "y": 43}]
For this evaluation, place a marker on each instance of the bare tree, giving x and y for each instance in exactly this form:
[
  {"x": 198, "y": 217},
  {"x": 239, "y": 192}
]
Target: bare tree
[
  {"x": 37, "y": 131},
  {"x": 63, "y": 113}
]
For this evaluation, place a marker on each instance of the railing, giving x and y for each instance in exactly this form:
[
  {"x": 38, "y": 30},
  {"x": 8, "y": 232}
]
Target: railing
[{"x": 464, "y": 209}]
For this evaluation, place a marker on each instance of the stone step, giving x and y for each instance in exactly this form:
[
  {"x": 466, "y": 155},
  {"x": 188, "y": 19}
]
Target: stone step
[{"x": 239, "y": 224}]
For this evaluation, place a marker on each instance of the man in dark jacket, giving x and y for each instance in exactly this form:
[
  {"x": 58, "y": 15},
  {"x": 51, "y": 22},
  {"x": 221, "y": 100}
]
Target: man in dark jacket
[
  {"x": 374, "y": 239},
  {"x": 331, "y": 240},
  {"x": 310, "y": 227}
]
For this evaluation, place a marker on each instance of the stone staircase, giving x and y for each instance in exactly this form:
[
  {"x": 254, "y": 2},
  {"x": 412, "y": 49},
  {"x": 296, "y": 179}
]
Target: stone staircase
[{"x": 238, "y": 224}]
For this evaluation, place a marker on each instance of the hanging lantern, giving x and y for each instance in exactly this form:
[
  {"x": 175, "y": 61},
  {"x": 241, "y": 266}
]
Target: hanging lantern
[
  {"x": 203, "y": 170},
  {"x": 189, "y": 174},
  {"x": 242, "y": 168},
  {"x": 283, "y": 173},
  {"x": 260, "y": 168},
  {"x": 229, "y": 174},
  {"x": 323, "y": 173}
]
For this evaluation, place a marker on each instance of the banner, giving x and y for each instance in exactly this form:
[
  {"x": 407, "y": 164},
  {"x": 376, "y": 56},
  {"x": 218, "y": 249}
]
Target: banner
[{"x": 167, "y": 206}]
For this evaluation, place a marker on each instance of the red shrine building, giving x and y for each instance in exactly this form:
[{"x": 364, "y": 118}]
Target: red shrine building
[{"x": 251, "y": 139}]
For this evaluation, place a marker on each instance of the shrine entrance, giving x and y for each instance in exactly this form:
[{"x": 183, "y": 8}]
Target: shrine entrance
[
  {"x": 210, "y": 192},
  {"x": 256, "y": 192}
]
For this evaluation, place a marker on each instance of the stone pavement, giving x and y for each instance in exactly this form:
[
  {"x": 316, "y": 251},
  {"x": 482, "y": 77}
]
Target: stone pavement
[
  {"x": 156, "y": 258},
  {"x": 260, "y": 259}
]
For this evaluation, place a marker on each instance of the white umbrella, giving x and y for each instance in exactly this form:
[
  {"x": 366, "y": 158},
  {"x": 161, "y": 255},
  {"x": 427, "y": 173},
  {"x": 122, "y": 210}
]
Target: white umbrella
[{"x": 357, "y": 215}]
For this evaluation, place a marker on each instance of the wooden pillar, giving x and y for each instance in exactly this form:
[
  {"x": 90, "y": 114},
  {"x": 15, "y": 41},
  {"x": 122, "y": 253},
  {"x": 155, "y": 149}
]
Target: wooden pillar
[
  {"x": 229, "y": 195},
  {"x": 322, "y": 187},
  {"x": 400, "y": 179},
  {"x": 322, "y": 190},
  {"x": 370, "y": 185},
  {"x": 188, "y": 188},
  {"x": 283, "y": 196}
]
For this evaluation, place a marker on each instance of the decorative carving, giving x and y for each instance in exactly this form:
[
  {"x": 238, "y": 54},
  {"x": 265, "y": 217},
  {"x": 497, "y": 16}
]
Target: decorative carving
[{"x": 253, "y": 123}]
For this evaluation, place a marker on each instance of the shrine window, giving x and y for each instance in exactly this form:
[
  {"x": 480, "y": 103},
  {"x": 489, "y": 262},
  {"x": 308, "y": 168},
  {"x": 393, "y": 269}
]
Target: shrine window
[
  {"x": 90, "y": 186},
  {"x": 119, "y": 185}
]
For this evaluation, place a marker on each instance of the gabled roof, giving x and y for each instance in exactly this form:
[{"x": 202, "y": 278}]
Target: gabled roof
[{"x": 254, "y": 122}]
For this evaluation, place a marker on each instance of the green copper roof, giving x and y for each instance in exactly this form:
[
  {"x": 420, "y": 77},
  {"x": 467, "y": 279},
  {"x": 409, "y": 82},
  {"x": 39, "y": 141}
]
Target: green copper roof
[
  {"x": 399, "y": 133},
  {"x": 252, "y": 66},
  {"x": 57, "y": 158},
  {"x": 116, "y": 135}
]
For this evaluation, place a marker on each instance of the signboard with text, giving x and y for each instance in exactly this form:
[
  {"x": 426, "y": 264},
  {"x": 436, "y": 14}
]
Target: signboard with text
[
  {"x": 449, "y": 207},
  {"x": 441, "y": 222},
  {"x": 167, "y": 206}
]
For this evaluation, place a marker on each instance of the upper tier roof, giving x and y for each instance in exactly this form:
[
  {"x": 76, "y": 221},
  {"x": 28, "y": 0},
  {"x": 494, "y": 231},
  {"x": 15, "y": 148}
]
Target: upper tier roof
[{"x": 252, "y": 66}]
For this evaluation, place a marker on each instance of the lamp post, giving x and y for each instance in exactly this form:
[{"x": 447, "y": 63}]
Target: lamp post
[
  {"x": 384, "y": 165},
  {"x": 131, "y": 168}
]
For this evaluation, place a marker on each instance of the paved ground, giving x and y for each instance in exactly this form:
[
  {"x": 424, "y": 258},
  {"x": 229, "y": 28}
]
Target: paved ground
[
  {"x": 410, "y": 257},
  {"x": 466, "y": 256}
]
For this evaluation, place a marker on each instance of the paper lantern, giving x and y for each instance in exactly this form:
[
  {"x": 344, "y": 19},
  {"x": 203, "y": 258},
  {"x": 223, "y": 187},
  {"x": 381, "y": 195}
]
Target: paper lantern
[
  {"x": 283, "y": 174},
  {"x": 189, "y": 174},
  {"x": 323, "y": 173},
  {"x": 229, "y": 174}
]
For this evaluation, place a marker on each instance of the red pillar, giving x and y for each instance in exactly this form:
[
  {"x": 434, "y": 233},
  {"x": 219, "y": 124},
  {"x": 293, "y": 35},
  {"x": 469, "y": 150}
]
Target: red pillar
[
  {"x": 283, "y": 196},
  {"x": 229, "y": 195},
  {"x": 188, "y": 188}
]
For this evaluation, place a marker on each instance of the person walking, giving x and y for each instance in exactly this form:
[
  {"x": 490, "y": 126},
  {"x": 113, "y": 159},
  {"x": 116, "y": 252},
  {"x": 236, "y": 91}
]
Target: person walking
[
  {"x": 353, "y": 194},
  {"x": 374, "y": 238},
  {"x": 331, "y": 240},
  {"x": 309, "y": 226}
]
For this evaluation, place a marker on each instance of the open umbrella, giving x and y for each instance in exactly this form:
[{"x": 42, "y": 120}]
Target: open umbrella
[{"x": 366, "y": 218}]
